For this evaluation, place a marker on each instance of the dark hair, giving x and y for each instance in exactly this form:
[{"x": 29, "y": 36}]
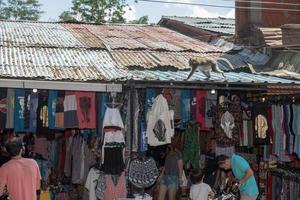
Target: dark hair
[
  {"x": 14, "y": 147},
  {"x": 197, "y": 176},
  {"x": 221, "y": 159}
]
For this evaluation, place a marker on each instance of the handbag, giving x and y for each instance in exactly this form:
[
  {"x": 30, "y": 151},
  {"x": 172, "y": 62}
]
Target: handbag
[{"x": 184, "y": 180}]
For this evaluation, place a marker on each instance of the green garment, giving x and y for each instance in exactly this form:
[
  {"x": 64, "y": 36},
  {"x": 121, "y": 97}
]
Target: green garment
[{"x": 191, "y": 144}]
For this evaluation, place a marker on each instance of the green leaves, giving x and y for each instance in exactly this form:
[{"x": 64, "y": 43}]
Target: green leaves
[
  {"x": 96, "y": 11},
  {"x": 20, "y": 9}
]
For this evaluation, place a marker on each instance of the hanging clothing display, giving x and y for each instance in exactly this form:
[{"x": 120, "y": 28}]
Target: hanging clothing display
[
  {"x": 113, "y": 162},
  {"x": 200, "y": 108},
  {"x": 261, "y": 124},
  {"x": 78, "y": 159},
  {"x": 19, "y": 110},
  {"x": 27, "y": 100},
  {"x": 228, "y": 120},
  {"x": 91, "y": 183},
  {"x": 193, "y": 103},
  {"x": 160, "y": 126},
  {"x": 191, "y": 144},
  {"x": 100, "y": 187},
  {"x": 52, "y": 101},
  {"x": 143, "y": 144},
  {"x": 228, "y": 151},
  {"x": 136, "y": 122},
  {"x": 70, "y": 110},
  {"x": 3, "y": 107},
  {"x": 30, "y": 111},
  {"x": 296, "y": 128},
  {"x": 185, "y": 105},
  {"x": 113, "y": 117},
  {"x": 59, "y": 111},
  {"x": 279, "y": 144},
  {"x": 68, "y": 160},
  {"x": 86, "y": 110},
  {"x": 115, "y": 187},
  {"x": 173, "y": 97},
  {"x": 150, "y": 96},
  {"x": 143, "y": 173},
  {"x": 42, "y": 113},
  {"x": 113, "y": 142},
  {"x": 283, "y": 185},
  {"x": 247, "y": 133},
  {"x": 210, "y": 104},
  {"x": 10, "y": 102}
]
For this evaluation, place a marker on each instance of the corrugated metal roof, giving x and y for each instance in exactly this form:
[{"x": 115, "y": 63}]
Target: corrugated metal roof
[
  {"x": 272, "y": 36},
  {"x": 217, "y": 25},
  {"x": 84, "y": 65},
  {"x": 155, "y": 59},
  {"x": 239, "y": 59},
  {"x": 231, "y": 77},
  {"x": 49, "y": 51},
  {"x": 36, "y": 34},
  {"x": 135, "y": 37},
  {"x": 56, "y": 63},
  {"x": 285, "y": 60}
]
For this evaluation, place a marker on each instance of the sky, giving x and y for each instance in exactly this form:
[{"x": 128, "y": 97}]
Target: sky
[{"x": 53, "y": 8}]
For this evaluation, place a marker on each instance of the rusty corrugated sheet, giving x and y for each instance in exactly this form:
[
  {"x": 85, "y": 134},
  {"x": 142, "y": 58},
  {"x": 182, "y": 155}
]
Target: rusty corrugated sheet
[
  {"x": 272, "y": 36},
  {"x": 84, "y": 35},
  {"x": 155, "y": 59},
  {"x": 143, "y": 37},
  {"x": 216, "y": 25},
  {"x": 36, "y": 34}
]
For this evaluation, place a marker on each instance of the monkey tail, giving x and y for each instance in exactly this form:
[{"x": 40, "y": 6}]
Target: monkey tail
[{"x": 191, "y": 73}]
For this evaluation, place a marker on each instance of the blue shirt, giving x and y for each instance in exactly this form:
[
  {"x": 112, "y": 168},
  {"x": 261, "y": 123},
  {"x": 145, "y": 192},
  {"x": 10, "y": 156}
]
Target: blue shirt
[{"x": 239, "y": 167}]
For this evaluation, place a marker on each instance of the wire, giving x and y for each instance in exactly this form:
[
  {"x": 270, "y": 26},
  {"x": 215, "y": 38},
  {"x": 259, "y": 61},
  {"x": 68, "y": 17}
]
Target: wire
[
  {"x": 265, "y": 2},
  {"x": 219, "y": 6}
]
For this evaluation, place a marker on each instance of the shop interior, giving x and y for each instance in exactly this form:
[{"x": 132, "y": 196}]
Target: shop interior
[{"x": 107, "y": 145}]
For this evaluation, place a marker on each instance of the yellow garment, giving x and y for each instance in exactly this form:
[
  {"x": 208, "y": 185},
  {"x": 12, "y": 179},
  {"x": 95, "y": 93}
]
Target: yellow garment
[
  {"x": 45, "y": 195},
  {"x": 261, "y": 126}
]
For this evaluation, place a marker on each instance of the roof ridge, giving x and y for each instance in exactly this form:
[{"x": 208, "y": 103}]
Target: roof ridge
[
  {"x": 75, "y": 22},
  {"x": 191, "y": 17}
]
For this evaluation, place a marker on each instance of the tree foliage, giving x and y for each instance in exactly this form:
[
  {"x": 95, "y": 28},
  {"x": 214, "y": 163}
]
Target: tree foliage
[
  {"x": 141, "y": 20},
  {"x": 67, "y": 16},
  {"x": 3, "y": 10},
  {"x": 20, "y": 9},
  {"x": 97, "y": 11}
]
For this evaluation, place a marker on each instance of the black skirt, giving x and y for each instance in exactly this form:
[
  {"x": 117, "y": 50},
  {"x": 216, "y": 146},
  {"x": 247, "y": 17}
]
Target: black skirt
[{"x": 113, "y": 160}]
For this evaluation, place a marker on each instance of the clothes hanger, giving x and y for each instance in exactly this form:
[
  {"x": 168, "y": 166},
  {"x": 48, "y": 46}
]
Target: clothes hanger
[{"x": 113, "y": 103}]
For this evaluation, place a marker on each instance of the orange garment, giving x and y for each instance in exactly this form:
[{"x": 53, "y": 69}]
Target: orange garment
[{"x": 21, "y": 177}]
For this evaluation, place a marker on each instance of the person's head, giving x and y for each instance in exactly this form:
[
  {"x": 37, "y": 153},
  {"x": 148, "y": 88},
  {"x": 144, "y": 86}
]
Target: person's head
[
  {"x": 172, "y": 146},
  {"x": 14, "y": 147},
  {"x": 213, "y": 144},
  {"x": 197, "y": 176},
  {"x": 224, "y": 162}
]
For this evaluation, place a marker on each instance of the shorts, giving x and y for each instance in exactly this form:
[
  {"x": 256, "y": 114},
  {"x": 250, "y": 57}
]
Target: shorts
[{"x": 170, "y": 181}]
